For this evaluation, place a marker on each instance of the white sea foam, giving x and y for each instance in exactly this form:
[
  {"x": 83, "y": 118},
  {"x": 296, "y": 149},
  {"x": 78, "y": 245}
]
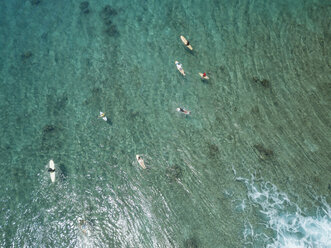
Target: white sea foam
[{"x": 290, "y": 226}]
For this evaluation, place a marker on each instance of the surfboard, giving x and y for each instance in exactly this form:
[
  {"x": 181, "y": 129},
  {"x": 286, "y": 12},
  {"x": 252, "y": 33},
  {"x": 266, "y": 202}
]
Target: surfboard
[
  {"x": 179, "y": 68},
  {"x": 186, "y": 112},
  {"x": 185, "y": 42},
  {"x": 201, "y": 75},
  {"x": 103, "y": 116},
  {"x": 140, "y": 161},
  {"x": 52, "y": 173},
  {"x": 83, "y": 226}
]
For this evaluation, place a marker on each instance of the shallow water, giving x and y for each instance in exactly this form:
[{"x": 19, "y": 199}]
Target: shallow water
[{"x": 250, "y": 167}]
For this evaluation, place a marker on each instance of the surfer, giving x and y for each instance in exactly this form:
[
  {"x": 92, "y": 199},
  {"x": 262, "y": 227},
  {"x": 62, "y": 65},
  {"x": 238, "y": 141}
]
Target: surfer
[
  {"x": 203, "y": 75},
  {"x": 187, "y": 43},
  {"x": 183, "y": 111},
  {"x": 180, "y": 68},
  {"x": 103, "y": 116},
  {"x": 51, "y": 170},
  {"x": 140, "y": 161},
  {"x": 83, "y": 225}
]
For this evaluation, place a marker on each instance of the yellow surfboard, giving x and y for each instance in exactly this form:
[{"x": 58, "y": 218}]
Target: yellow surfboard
[{"x": 185, "y": 42}]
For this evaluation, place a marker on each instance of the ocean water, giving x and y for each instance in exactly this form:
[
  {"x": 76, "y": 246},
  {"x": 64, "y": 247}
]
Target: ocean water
[{"x": 250, "y": 167}]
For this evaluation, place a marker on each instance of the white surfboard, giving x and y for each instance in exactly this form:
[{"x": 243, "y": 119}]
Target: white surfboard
[
  {"x": 103, "y": 116},
  {"x": 83, "y": 225},
  {"x": 179, "y": 68},
  {"x": 140, "y": 161},
  {"x": 186, "y": 112},
  {"x": 201, "y": 75},
  {"x": 185, "y": 42},
  {"x": 52, "y": 167}
]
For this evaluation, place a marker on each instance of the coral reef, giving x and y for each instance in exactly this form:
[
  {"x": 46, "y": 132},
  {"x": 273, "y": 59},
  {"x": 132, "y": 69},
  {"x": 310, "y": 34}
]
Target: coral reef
[
  {"x": 264, "y": 82},
  {"x": 174, "y": 172},
  {"x": 264, "y": 152},
  {"x": 106, "y": 14},
  {"x": 112, "y": 31},
  {"x": 191, "y": 243},
  {"x": 84, "y": 7},
  {"x": 35, "y": 2},
  {"x": 26, "y": 55}
]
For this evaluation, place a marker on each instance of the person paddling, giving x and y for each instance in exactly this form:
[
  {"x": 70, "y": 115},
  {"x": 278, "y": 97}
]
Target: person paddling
[{"x": 203, "y": 75}]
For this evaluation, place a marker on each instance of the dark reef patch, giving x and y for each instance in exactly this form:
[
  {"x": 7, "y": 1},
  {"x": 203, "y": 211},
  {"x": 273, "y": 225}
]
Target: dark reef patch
[
  {"x": 26, "y": 55},
  {"x": 112, "y": 31},
  {"x": 174, "y": 172},
  {"x": 84, "y": 7},
  {"x": 264, "y": 152},
  {"x": 264, "y": 82},
  {"x": 191, "y": 243},
  {"x": 64, "y": 171},
  {"x": 107, "y": 12},
  {"x": 35, "y": 2},
  {"x": 56, "y": 104},
  {"x": 51, "y": 138},
  {"x": 213, "y": 150},
  {"x": 48, "y": 128}
]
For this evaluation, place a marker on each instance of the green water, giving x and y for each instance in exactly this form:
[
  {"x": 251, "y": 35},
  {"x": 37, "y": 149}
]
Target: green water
[{"x": 257, "y": 140}]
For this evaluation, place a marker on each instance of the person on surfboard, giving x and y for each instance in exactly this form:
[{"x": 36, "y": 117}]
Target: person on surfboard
[
  {"x": 203, "y": 75},
  {"x": 103, "y": 116},
  {"x": 51, "y": 170},
  {"x": 180, "y": 68},
  {"x": 183, "y": 111}
]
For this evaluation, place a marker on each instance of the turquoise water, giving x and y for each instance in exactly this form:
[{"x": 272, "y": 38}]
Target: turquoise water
[{"x": 250, "y": 167}]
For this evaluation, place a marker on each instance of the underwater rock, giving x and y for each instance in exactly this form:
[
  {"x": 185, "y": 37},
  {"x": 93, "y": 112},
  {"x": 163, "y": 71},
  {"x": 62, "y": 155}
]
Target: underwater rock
[
  {"x": 107, "y": 12},
  {"x": 96, "y": 91},
  {"x": 61, "y": 102},
  {"x": 112, "y": 31},
  {"x": 48, "y": 128},
  {"x": 255, "y": 110},
  {"x": 191, "y": 243},
  {"x": 84, "y": 7},
  {"x": 51, "y": 138},
  {"x": 107, "y": 22},
  {"x": 64, "y": 172},
  {"x": 174, "y": 172},
  {"x": 26, "y": 55},
  {"x": 264, "y": 82},
  {"x": 35, "y": 2},
  {"x": 264, "y": 152},
  {"x": 134, "y": 114},
  {"x": 213, "y": 150}
]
